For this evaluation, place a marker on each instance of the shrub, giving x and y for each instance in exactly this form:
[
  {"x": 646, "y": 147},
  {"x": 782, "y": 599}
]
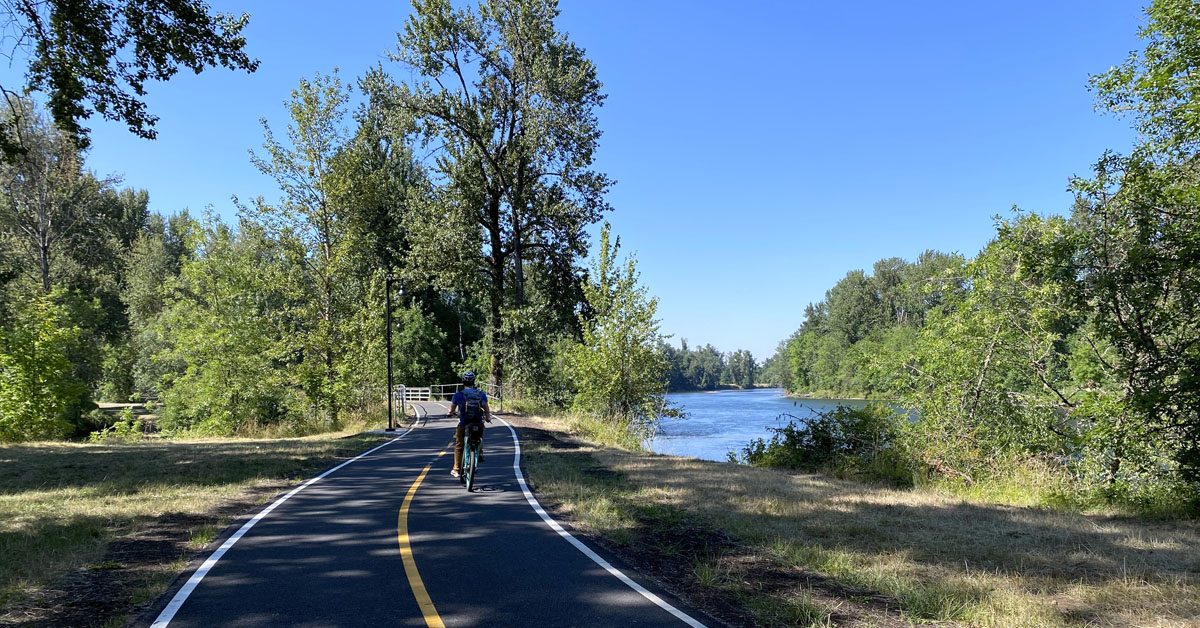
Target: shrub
[
  {"x": 856, "y": 442},
  {"x": 40, "y": 397},
  {"x": 125, "y": 429}
]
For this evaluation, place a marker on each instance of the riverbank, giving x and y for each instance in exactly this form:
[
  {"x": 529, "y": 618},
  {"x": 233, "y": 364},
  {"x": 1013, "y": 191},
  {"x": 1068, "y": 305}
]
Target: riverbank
[
  {"x": 829, "y": 395},
  {"x": 762, "y": 547}
]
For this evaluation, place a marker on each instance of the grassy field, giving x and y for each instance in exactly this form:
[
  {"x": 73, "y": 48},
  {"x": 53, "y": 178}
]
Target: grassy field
[
  {"x": 99, "y": 528},
  {"x": 767, "y": 547}
]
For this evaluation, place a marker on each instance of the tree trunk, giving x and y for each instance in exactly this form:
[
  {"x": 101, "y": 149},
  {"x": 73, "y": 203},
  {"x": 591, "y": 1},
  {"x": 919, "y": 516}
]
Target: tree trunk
[
  {"x": 330, "y": 375},
  {"x": 982, "y": 373},
  {"x": 496, "y": 372},
  {"x": 519, "y": 276},
  {"x": 496, "y": 295},
  {"x": 462, "y": 353},
  {"x": 44, "y": 252}
]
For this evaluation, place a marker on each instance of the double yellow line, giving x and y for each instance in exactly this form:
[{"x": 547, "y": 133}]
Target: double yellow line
[{"x": 432, "y": 619}]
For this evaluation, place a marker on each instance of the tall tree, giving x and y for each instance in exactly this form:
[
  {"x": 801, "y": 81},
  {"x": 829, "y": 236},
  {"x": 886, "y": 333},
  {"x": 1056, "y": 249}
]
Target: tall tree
[
  {"x": 47, "y": 201},
  {"x": 311, "y": 177},
  {"x": 1137, "y": 263},
  {"x": 1139, "y": 249},
  {"x": 510, "y": 103}
]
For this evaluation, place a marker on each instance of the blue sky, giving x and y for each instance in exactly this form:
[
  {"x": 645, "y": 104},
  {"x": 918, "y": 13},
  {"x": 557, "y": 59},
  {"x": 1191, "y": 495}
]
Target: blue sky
[{"x": 761, "y": 149}]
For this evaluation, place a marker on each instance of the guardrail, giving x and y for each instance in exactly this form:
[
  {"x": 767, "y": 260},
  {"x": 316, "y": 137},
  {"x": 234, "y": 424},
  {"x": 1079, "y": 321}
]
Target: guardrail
[
  {"x": 443, "y": 392},
  {"x": 413, "y": 393},
  {"x": 404, "y": 395}
]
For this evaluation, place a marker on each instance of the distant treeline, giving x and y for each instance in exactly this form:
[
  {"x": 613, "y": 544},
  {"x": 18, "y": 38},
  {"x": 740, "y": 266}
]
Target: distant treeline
[
  {"x": 706, "y": 368},
  {"x": 836, "y": 350}
]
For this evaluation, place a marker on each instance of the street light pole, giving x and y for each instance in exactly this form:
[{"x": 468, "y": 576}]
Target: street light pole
[{"x": 387, "y": 284}]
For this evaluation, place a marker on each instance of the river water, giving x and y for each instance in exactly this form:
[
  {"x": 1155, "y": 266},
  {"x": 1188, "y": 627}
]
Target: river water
[{"x": 726, "y": 420}]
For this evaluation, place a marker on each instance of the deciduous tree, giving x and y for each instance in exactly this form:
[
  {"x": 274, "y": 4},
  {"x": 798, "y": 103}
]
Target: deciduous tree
[{"x": 509, "y": 101}]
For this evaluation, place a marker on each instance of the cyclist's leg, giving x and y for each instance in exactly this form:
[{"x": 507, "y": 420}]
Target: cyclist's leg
[{"x": 459, "y": 438}]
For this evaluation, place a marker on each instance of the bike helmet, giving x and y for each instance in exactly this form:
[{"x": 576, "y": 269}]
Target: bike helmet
[{"x": 468, "y": 378}]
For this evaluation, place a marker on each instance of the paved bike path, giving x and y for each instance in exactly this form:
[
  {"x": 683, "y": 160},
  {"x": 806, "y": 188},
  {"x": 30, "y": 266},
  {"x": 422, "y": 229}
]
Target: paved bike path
[{"x": 330, "y": 554}]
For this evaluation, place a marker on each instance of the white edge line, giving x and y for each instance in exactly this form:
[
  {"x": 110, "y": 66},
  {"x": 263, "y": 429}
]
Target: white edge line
[
  {"x": 181, "y": 596},
  {"x": 587, "y": 551}
]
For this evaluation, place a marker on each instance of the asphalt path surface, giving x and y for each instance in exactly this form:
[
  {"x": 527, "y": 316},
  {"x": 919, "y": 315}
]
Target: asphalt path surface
[{"x": 330, "y": 555}]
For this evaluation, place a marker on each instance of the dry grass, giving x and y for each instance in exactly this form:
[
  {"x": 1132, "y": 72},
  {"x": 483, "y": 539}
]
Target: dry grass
[
  {"x": 939, "y": 557},
  {"x": 61, "y": 504}
]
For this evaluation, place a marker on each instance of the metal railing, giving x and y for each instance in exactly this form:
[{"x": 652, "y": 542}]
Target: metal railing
[
  {"x": 404, "y": 395},
  {"x": 413, "y": 393},
  {"x": 443, "y": 392}
]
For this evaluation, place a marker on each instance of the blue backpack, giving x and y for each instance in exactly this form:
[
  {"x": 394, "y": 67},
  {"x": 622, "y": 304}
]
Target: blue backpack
[{"x": 472, "y": 405}]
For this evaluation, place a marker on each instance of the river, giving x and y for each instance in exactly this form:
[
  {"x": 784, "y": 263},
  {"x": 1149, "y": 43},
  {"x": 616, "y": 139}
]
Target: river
[{"x": 726, "y": 420}]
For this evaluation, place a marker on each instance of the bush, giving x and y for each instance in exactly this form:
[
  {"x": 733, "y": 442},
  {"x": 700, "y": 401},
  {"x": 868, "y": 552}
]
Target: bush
[
  {"x": 40, "y": 397},
  {"x": 125, "y": 429},
  {"x": 862, "y": 443}
]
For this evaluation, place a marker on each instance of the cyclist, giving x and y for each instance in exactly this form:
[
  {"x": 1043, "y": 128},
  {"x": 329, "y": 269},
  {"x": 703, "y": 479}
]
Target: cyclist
[{"x": 473, "y": 406}]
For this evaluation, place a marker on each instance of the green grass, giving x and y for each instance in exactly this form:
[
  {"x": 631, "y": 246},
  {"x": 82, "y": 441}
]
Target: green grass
[
  {"x": 941, "y": 557},
  {"x": 62, "y": 503}
]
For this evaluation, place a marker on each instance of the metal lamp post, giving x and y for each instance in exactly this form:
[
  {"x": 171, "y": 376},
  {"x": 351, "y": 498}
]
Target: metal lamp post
[{"x": 391, "y": 391}]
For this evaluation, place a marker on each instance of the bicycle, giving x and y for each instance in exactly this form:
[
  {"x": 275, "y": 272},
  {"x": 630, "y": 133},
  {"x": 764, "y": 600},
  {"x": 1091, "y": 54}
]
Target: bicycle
[{"x": 470, "y": 460}]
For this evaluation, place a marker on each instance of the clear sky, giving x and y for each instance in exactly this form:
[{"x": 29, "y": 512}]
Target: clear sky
[{"x": 762, "y": 149}]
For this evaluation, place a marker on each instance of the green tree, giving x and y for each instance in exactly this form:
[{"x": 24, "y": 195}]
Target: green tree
[
  {"x": 774, "y": 371},
  {"x": 854, "y": 306},
  {"x": 1137, "y": 263},
  {"x": 311, "y": 173},
  {"x": 1137, "y": 257},
  {"x": 741, "y": 368},
  {"x": 48, "y": 204},
  {"x": 988, "y": 374},
  {"x": 39, "y": 396},
  {"x": 154, "y": 261},
  {"x": 619, "y": 368},
  {"x": 509, "y": 101},
  {"x": 233, "y": 333}
]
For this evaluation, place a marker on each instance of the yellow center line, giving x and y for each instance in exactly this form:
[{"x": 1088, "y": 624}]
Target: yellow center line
[{"x": 432, "y": 619}]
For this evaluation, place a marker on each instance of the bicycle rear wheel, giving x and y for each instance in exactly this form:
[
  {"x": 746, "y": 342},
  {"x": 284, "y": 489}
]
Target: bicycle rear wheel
[{"x": 469, "y": 468}]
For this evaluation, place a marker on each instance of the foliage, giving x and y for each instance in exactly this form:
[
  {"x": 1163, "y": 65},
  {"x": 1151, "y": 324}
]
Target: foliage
[
  {"x": 125, "y": 429},
  {"x": 988, "y": 376},
  {"x": 1073, "y": 342},
  {"x": 1160, "y": 86},
  {"x": 858, "y": 442},
  {"x": 312, "y": 214},
  {"x": 39, "y": 396},
  {"x": 509, "y": 101},
  {"x": 97, "y": 55},
  {"x": 48, "y": 202},
  {"x": 229, "y": 330},
  {"x": 694, "y": 369},
  {"x": 774, "y": 371},
  {"x": 841, "y": 347},
  {"x": 619, "y": 368},
  {"x": 1136, "y": 261},
  {"x": 153, "y": 260},
  {"x": 741, "y": 369}
]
